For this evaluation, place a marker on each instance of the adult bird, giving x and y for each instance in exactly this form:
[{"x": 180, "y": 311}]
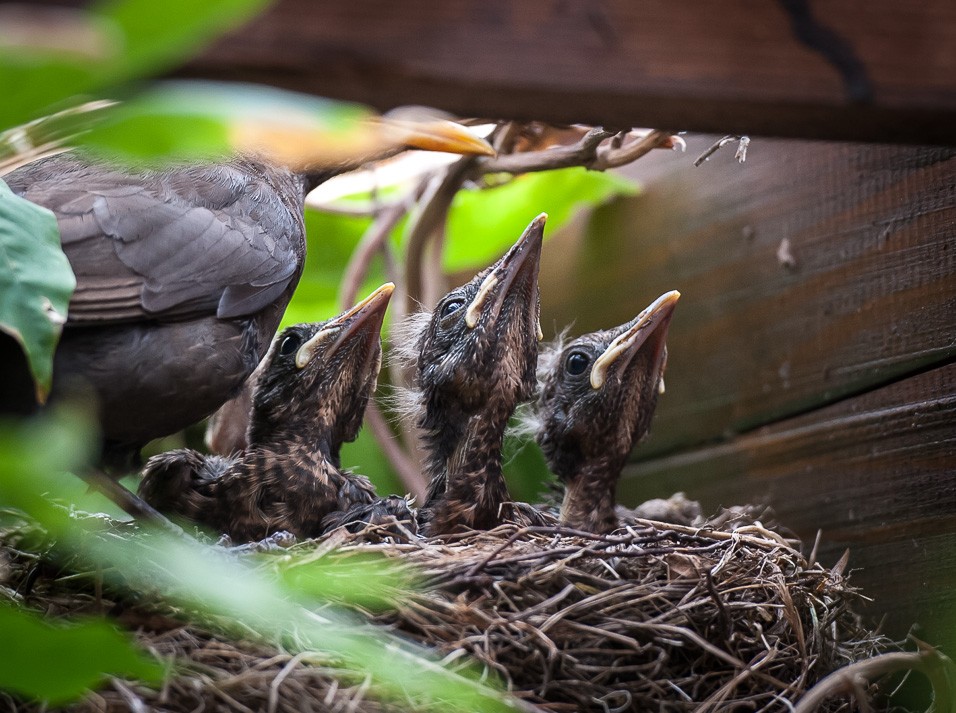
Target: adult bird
[
  {"x": 183, "y": 273},
  {"x": 474, "y": 358},
  {"x": 596, "y": 399},
  {"x": 309, "y": 399}
]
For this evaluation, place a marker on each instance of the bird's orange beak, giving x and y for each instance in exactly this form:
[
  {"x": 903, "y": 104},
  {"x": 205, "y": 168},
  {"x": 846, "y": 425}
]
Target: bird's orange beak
[
  {"x": 302, "y": 147},
  {"x": 434, "y": 135}
]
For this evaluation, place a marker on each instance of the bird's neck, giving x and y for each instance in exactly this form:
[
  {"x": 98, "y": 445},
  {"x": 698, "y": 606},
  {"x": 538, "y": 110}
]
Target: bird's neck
[
  {"x": 313, "y": 179},
  {"x": 467, "y": 486},
  {"x": 590, "y": 495},
  {"x": 294, "y": 438}
]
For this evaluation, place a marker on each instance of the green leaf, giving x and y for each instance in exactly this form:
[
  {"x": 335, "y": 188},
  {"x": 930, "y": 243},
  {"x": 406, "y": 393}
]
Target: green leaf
[
  {"x": 384, "y": 583},
  {"x": 58, "y": 664},
  {"x": 525, "y": 469},
  {"x": 331, "y": 241},
  {"x": 159, "y": 35},
  {"x": 118, "y": 41},
  {"x": 34, "y": 456},
  {"x": 189, "y": 120},
  {"x": 36, "y": 282},
  {"x": 191, "y": 576},
  {"x": 483, "y": 223}
]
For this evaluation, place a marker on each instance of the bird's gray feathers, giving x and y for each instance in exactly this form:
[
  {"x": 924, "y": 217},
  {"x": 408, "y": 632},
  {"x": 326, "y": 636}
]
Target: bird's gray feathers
[{"x": 184, "y": 241}]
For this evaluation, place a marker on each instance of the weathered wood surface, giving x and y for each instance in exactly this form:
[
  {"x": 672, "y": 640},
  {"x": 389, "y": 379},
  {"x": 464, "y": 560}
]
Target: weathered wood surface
[
  {"x": 870, "y": 296},
  {"x": 826, "y": 387},
  {"x": 876, "y": 473},
  {"x": 846, "y": 69}
]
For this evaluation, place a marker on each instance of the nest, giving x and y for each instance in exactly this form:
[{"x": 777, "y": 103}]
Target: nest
[
  {"x": 659, "y": 617},
  {"x": 654, "y": 617}
]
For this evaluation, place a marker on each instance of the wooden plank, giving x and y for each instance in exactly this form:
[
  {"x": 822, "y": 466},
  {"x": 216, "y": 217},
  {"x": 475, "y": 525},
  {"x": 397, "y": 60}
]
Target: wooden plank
[
  {"x": 871, "y": 295},
  {"x": 877, "y": 473},
  {"x": 846, "y": 69}
]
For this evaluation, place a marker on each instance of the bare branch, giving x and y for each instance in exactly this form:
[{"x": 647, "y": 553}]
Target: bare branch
[
  {"x": 433, "y": 213},
  {"x": 612, "y": 157},
  {"x": 740, "y": 155},
  {"x": 371, "y": 243},
  {"x": 408, "y": 471},
  {"x": 851, "y": 678},
  {"x": 582, "y": 153}
]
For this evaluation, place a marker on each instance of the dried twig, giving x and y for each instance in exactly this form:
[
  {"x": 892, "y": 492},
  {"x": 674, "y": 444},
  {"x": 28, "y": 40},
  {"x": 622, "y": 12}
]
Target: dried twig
[
  {"x": 740, "y": 154},
  {"x": 656, "y": 617}
]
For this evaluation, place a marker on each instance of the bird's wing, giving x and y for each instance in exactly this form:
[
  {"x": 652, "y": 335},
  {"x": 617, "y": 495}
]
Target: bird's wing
[
  {"x": 171, "y": 483},
  {"x": 225, "y": 239}
]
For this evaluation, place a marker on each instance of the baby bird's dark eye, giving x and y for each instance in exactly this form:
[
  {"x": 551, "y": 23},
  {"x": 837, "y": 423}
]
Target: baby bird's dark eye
[
  {"x": 290, "y": 344},
  {"x": 452, "y": 306},
  {"x": 577, "y": 363}
]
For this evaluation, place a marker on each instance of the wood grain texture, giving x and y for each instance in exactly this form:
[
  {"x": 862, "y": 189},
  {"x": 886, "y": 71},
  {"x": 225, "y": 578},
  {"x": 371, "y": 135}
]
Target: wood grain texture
[
  {"x": 870, "y": 297},
  {"x": 846, "y": 69},
  {"x": 876, "y": 473}
]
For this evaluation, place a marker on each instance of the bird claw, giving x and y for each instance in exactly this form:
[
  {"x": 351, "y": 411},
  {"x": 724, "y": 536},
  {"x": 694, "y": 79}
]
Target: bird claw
[{"x": 275, "y": 542}]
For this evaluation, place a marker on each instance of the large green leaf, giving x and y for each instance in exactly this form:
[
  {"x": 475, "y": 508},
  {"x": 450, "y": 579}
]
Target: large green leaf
[
  {"x": 57, "y": 664},
  {"x": 482, "y": 224},
  {"x": 35, "y": 282}
]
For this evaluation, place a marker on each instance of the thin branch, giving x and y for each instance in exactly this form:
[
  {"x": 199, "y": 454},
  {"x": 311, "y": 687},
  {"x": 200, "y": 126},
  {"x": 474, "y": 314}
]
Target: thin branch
[
  {"x": 740, "y": 155},
  {"x": 370, "y": 244},
  {"x": 927, "y": 661},
  {"x": 612, "y": 157},
  {"x": 582, "y": 153},
  {"x": 409, "y": 472},
  {"x": 353, "y": 209},
  {"x": 433, "y": 213}
]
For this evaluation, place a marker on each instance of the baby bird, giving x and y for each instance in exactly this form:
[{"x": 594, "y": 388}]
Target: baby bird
[
  {"x": 597, "y": 397},
  {"x": 309, "y": 399},
  {"x": 474, "y": 360}
]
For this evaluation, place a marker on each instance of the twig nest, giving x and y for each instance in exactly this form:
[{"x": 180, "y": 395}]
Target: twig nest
[{"x": 655, "y": 617}]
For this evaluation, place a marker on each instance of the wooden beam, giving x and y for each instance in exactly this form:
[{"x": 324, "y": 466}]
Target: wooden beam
[
  {"x": 876, "y": 473},
  {"x": 810, "y": 273},
  {"x": 847, "y": 69}
]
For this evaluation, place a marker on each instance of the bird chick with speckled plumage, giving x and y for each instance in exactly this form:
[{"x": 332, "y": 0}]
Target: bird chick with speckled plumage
[
  {"x": 309, "y": 399},
  {"x": 596, "y": 400},
  {"x": 474, "y": 359}
]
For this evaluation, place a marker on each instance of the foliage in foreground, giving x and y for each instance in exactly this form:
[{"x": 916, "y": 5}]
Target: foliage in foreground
[{"x": 226, "y": 592}]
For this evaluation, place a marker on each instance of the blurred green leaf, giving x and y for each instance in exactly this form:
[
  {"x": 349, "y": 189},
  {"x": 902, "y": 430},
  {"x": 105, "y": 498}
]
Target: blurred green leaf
[
  {"x": 36, "y": 282},
  {"x": 483, "y": 223},
  {"x": 117, "y": 41},
  {"x": 191, "y": 576},
  {"x": 190, "y": 120},
  {"x": 159, "y": 35},
  {"x": 58, "y": 664},
  {"x": 34, "y": 455},
  {"x": 383, "y": 582}
]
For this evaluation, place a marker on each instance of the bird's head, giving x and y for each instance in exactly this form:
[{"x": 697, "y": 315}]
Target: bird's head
[
  {"x": 598, "y": 392},
  {"x": 481, "y": 340},
  {"x": 319, "y": 376}
]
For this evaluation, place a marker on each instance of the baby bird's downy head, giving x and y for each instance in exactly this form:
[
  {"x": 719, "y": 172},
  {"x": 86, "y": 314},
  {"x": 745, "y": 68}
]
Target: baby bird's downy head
[
  {"x": 598, "y": 392},
  {"x": 318, "y": 377},
  {"x": 481, "y": 340}
]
